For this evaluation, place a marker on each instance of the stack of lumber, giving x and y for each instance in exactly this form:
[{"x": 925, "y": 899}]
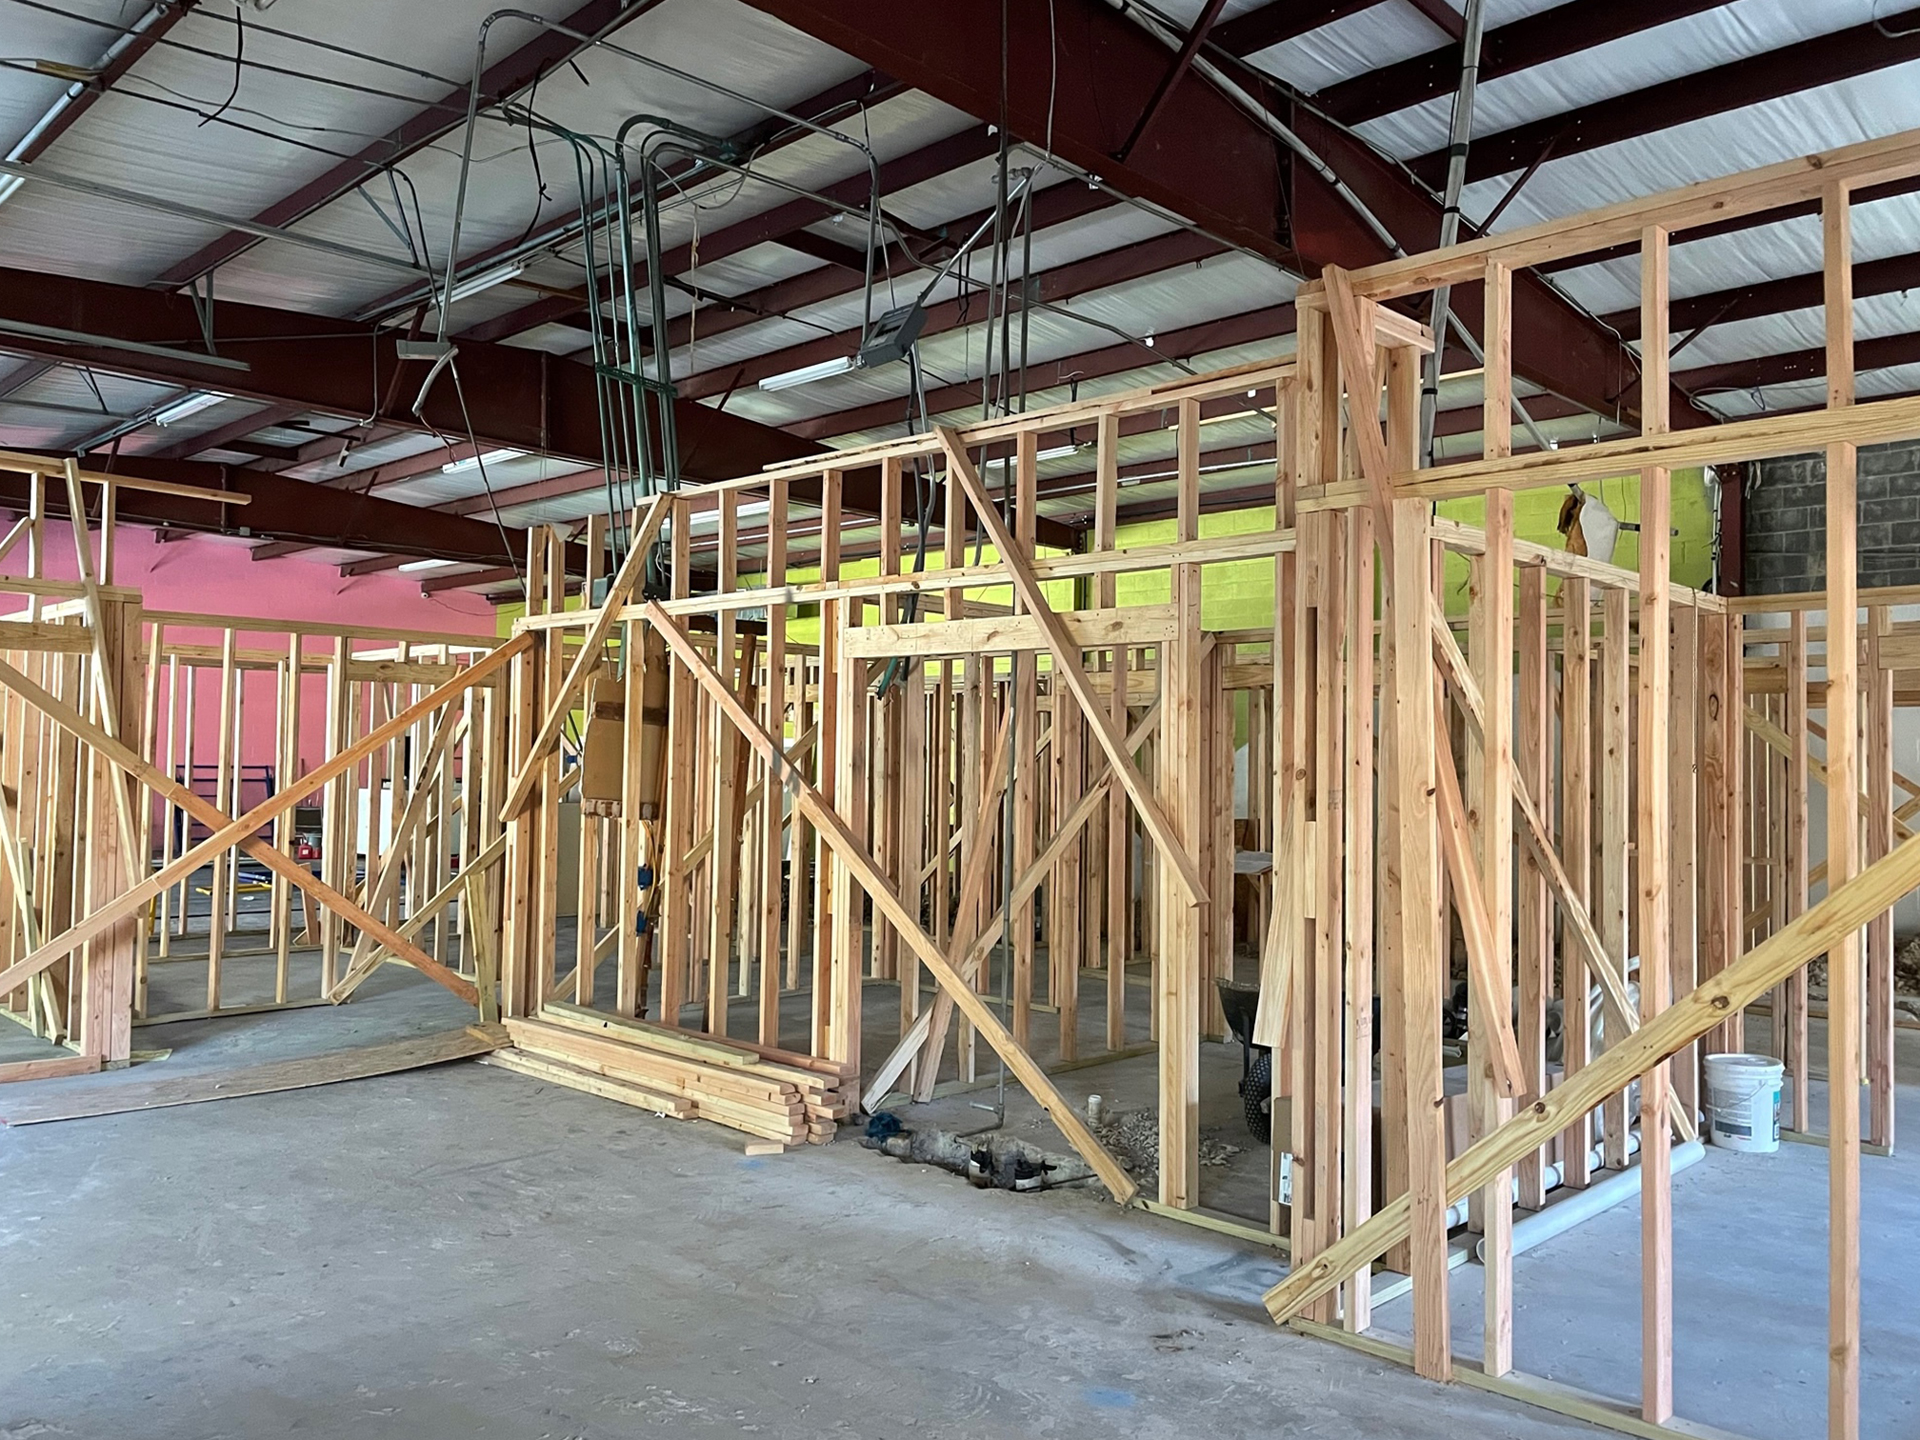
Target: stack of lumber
[{"x": 775, "y": 1094}]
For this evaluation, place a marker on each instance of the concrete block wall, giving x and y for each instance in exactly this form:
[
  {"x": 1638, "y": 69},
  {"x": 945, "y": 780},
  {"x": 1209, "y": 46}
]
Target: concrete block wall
[{"x": 1786, "y": 521}]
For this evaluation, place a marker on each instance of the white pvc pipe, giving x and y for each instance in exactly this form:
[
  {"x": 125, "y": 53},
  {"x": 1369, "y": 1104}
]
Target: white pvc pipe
[
  {"x": 1583, "y": 1205},
  {"x": 1550, "y": 1177}
]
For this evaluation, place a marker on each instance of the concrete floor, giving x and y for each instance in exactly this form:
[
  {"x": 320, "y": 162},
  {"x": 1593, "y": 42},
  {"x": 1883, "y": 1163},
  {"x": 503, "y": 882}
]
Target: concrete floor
[{"x": 464, "y": 1252}]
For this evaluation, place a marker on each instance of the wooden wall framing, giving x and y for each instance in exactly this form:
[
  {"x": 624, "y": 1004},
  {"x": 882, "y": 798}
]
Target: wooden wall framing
[{"x": 788, "y": 793}]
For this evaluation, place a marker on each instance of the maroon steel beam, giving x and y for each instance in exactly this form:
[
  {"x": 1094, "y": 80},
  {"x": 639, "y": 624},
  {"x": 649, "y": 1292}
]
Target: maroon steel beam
[
  {"x": 1762, "y": 370},
  {"x": 1205, "y": 158},
  {"x": 1554, "y": 346},
  {"x": 576, "y": 482},
  {"x": 1062, "y": 282},
  {"x": 502, "y": 79},
  {"x": 227, "y": 434},
  {"x": 1268, "y": 324},
  {"x": 1788, "y": 70},
  {"x": 521, "y": 399},
  {"x": 411, "y": 467},
  {"x": 1278, "y": 21},
  {"x": 1196, "y": 36},
  {"x": 869, "y": 88},
  {"x": 1866, "y": 195},
  {"x": 373, "y": 477},
  {"x": 162, "y": 19},
  {"x": 378, "y": 565},
  {"x": 913, "y": 168},
  {"x": 284, "y": 509},
  {"x": 1549, "y": 35},
  {"x": 1443, "y": 16},
  {"x": 1774, "y": 297},
  {"x": 436, "y": 584},
  {"x": 1056, "y": 205}
]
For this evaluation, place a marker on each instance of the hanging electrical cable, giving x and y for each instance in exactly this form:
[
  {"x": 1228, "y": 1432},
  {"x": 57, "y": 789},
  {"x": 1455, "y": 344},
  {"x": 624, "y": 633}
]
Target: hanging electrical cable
[{"x": 1173, "y": 38}]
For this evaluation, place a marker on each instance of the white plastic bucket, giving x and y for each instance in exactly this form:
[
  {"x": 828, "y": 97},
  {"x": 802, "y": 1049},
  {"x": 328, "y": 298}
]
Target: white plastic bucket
[{"x": 1743, "y": 1101}]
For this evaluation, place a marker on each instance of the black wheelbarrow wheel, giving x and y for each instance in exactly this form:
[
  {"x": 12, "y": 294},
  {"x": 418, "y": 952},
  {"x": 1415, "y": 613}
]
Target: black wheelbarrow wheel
[{"x": 1256, "y": 1090}]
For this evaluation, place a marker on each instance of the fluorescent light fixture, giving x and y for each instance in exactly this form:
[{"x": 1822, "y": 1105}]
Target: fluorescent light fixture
[
  {"x": 474, "y": 462},
  {"x": 190, "y": 405},
  {"x": 487, "y": 279},
  {"x": 1052, "y": 452},
  {"x": 412, "y": 565},
  {"x": 9, "y": 184},
  {"x": 807, "y": 374},
  {"x": 888, "y": 339}
]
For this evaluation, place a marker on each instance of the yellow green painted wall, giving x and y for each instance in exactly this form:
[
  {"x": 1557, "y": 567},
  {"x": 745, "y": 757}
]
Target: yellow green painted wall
[{"x": 1239, "y": 595}]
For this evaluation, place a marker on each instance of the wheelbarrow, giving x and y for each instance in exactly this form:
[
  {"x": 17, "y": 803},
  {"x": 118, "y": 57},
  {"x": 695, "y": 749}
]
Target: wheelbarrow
[{"x": 1240, "y": 1004}]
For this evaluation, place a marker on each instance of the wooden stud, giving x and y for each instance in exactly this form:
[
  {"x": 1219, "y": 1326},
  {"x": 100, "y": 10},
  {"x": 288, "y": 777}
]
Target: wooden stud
[
  {"x": 1412, "y": 906},
  {"x": 1653, "y": 840},
  {"x": 1844, "y": 980}
]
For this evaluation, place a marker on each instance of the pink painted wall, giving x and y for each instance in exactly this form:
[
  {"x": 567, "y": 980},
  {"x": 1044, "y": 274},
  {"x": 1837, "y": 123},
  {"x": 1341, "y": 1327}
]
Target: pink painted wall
[{"x": 218, "y": 577}]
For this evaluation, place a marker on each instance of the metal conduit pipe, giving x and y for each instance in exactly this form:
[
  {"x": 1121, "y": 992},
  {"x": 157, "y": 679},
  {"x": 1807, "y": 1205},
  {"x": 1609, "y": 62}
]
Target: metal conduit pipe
[
  {"x": 603, "y": 43},
  {"x": 1154, "y": 25},
  {"x": 1460, "y": 133},
  {"x": 73, "y": 92}
]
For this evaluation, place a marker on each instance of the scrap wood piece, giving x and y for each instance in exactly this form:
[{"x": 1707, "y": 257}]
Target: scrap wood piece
[
  {"x": 1492, "y": 992},
  {"x": 766, "y": 1105},
  {"x": 587, "y": 661},
  {"x": 214, "y": 818},
  {"x": 237, "y": 832},
  {"x": 49, "y": 1067},
  {"x": 1813, "y": 932},
  {"x": 1066, "y": 658},
  {"x": 727, "y": 1050},
  {"x": 309, "y": 1070},
  {"x": 1280, "y": 950},
  {"x": 591, "y": 1082},
  {"x": 848, "y": 850}
]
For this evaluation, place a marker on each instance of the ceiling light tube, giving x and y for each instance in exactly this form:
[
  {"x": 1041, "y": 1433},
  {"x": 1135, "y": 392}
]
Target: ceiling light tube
[
  {"x": 474, "y": 462},
  {"x": 413, "y": 565},
  {"x": 8, "y": 185},
  {"x": 807, "y": 374},
  {"x": 1052, "y": 452},
  {"x": 188, "y": 405},
  {"x": 486, "y": 280}
]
